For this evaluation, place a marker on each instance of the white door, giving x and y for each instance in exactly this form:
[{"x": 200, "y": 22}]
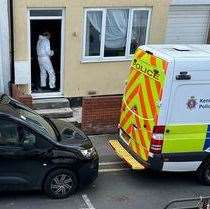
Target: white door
[
  {"x": 190, "y": 95},
  {"x": 187, "y": 24}
]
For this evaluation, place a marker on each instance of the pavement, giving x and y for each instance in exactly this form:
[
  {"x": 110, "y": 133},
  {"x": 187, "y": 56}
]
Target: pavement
[
  {"x": 101, "y": 143},
  {"x": 117, "y": 187},
  {"x": 109, "y": 161}
]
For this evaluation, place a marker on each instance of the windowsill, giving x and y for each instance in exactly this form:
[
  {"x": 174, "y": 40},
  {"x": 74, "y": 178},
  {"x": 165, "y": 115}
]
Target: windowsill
[{"x": 107, "y": 59}]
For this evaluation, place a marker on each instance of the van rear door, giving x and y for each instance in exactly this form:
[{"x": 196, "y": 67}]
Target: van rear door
[
  {"x": 140, "y": 105},
  {"x": 189, "y": 108}
]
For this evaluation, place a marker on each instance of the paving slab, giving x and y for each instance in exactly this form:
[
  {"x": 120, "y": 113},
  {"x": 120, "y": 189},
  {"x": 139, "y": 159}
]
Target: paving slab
[{"x": 101, "y": 142}]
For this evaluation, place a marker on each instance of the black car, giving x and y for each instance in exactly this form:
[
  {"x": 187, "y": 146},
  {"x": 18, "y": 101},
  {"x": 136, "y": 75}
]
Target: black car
[{"x": 42, "y": 153}]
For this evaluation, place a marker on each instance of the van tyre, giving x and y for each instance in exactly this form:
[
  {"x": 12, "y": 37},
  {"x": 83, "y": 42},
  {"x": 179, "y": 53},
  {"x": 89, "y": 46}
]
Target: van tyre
[
  {"x": 203, "y": 173},
  {"x": 60, "y": 184}
]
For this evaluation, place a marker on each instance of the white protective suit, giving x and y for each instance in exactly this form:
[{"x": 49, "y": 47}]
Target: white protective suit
[{"x": 44, "y": 53}]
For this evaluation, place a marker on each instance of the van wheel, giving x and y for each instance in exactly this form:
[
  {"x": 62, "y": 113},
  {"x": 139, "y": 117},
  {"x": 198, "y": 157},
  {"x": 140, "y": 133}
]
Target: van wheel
[
  {"x": 203, "y": 173},
  {"x": 60, "y": 184}
]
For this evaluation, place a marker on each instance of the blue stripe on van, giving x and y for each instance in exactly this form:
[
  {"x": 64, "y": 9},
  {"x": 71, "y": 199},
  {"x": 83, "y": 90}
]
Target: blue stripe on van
[{"x": 207, "y": 142}]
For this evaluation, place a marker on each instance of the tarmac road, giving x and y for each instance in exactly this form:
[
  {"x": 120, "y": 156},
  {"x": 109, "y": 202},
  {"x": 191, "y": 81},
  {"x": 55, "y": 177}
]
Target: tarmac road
[{"x": 117, "y": 187}]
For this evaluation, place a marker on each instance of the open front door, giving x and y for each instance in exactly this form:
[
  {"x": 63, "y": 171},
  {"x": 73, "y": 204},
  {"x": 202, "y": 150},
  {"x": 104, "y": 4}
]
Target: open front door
[{"x": 46, "y": 51}]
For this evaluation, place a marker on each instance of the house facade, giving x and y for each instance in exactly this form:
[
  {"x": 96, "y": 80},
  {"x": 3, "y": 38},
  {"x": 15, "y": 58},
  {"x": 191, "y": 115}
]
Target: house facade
[
  {"x": 83, "y": 49},
  {"x": 93, "y": 42}
]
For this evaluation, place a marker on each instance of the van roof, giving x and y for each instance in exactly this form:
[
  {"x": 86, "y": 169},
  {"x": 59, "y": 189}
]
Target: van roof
[{"x": 176, "y": 51}]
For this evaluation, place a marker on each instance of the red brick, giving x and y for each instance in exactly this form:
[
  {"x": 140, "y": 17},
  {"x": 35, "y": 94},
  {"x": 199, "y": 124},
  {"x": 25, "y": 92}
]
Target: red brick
[{"x": 101, "y": 114}]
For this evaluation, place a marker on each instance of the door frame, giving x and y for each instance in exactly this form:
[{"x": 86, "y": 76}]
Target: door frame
[
  {"x": 1, "y": 73},
  {"x": 62, "y": 18}
]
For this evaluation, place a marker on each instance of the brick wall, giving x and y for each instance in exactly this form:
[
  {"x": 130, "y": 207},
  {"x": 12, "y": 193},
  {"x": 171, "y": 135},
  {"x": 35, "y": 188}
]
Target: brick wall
[
  {"x": 19, "y": 96},
  {"x": 101, "y": 114}
]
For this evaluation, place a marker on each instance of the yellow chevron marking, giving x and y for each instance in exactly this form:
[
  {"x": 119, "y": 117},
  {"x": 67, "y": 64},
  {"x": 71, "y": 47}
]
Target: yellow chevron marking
[
  {"x": 154, "y": 91},
  {"x": 153, "y": 68},
  {"x": 141, "y": 148}
]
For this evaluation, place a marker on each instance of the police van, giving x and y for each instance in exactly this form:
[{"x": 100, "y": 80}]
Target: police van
[{"x": 165, "y": 114}]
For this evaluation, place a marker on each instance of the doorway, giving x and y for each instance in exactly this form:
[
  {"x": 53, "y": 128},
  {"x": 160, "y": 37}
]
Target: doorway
[{"x": 47, "y": 75}]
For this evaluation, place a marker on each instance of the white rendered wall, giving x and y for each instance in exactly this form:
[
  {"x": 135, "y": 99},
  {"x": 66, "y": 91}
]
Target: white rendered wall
[{"x": 4, "y": 46}]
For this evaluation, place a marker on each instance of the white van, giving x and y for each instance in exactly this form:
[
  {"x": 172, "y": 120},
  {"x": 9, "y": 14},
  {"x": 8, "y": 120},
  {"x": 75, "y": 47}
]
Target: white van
[{"x": 165, "y": 115}]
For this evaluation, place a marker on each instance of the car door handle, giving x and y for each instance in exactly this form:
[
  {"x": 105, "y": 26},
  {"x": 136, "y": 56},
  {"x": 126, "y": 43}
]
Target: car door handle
[{"x": 183, "y": 76}]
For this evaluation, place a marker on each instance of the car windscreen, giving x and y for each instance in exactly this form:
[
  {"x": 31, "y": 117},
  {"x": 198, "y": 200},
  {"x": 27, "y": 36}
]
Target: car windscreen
[
  {"x": 34, "y": 120},
  {"x": 39, "y": 123}
]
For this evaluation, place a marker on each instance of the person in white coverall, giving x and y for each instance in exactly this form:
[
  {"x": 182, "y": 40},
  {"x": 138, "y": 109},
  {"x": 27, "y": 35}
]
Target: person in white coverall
[{"x": 44, "y": 53}]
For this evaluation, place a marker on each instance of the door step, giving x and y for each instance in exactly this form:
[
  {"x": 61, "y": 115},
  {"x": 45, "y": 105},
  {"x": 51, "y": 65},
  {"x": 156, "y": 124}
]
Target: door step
[
  {"x": 52, "y": 103},
  {"x": 127, "y": 157},
  {"x": 56, "y": 113},
  {"x": 76, "y": 117}
]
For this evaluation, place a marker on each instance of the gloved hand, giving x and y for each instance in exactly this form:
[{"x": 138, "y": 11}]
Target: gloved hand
[{"x": 51, "y": 53}]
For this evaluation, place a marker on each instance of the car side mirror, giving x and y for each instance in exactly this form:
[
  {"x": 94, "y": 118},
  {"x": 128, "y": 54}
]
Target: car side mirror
[
  {"x": 28, "y": 143},
  {"x": 27, "y": 146}
]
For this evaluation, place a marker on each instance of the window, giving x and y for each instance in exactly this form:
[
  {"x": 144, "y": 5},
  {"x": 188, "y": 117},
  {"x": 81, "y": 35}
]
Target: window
[
  {"x": 38, "y": 13},
  {"x": 114, "y": 33},
  {"x": 33, "y": 140},
  {"x": 36, "y": 121},
  {"x": 13, "y": 135},
  {"x": 139, "y": 29},
  {"x": 93, "y": 33},
  {"x": 8, "y": 133}
]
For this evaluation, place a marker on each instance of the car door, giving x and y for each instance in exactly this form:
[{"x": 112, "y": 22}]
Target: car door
[
  {"x": 36, "y": 154},
  {"x": 24, "y": 155},
  {"x": 10, "y": 149}
]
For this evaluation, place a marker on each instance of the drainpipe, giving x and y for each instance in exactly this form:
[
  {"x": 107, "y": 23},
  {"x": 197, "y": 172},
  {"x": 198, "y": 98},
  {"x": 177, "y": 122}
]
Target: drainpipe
[{"x": 12, "y": 76}]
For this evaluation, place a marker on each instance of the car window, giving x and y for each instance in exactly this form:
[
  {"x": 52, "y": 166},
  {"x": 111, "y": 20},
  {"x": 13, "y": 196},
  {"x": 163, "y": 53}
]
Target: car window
[
  {"x": 38, "y": 123},
  {"x": 31, "y": 118},
  {"x": 29, "y": 139},
  {"x": 33, "y": 140},
  {"x": 8, "y": 133}
]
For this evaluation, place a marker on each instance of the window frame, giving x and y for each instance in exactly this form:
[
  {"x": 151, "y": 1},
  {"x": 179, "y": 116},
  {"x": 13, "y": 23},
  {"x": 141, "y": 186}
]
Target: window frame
[{"x": 101, "y": 57}]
